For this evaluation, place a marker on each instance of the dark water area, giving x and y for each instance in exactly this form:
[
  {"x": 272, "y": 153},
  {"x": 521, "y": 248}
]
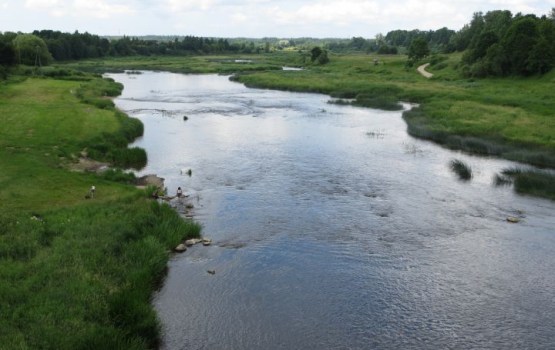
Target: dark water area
[{"x": 334, "y": 229}]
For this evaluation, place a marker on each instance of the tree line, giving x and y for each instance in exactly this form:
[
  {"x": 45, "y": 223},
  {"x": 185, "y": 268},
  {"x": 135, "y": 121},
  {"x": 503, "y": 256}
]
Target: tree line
[
  {"x": 49, "y": 45},
  {"x": 497, "y": 43},
  {"x": 500, "y": 44}
]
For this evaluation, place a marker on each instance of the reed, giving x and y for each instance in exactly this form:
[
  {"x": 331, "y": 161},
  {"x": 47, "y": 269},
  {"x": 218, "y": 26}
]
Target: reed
[{"x": 463, "y": 170}]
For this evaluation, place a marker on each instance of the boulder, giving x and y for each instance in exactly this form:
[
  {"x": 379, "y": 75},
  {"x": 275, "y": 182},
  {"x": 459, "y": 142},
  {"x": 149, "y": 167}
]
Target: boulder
[
  {"x": 206, "y": 241},
  {"x": 513, "y": 219},
  {"x": 192, "y": 242},
  {"x": 180, "y": 248}
]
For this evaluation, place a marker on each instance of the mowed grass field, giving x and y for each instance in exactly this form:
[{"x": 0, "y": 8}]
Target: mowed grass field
[{"x": 76, "y": 273}]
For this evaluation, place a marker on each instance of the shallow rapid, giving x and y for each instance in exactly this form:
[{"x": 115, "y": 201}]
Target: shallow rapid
[{"x": 334, "y": 229}]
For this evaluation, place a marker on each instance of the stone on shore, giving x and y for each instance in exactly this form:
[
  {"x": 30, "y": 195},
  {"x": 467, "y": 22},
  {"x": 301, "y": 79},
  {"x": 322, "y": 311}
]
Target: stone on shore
[
  {"x": 192, "y": 242},
  {"x": 180, "y": 248},
  {"x": 150, "y": 180}
]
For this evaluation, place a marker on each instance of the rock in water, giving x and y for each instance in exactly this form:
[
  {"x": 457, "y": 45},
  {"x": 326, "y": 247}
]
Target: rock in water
[
  {"x": 206, "y": 241},
  {"x": 180, "y": 248},
  {"x": 212, "y": 272},
  {"x": 513, "y": 219},
  {"x": 192, "y": 242}
]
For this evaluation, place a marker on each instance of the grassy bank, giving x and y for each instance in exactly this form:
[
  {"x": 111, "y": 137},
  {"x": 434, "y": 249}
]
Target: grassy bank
[
  {"x": 76, "y": 273},
  {"x": 189, "y": 64}
]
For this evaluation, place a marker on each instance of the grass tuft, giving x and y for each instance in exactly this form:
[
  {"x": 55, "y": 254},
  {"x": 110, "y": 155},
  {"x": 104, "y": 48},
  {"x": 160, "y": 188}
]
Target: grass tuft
[{"x": 463, "y": 170}]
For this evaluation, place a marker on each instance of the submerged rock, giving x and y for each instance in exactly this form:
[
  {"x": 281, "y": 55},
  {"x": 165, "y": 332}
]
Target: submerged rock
[
  {"x": 513, "y": 219},
  {"x": 212, "y": 272}
]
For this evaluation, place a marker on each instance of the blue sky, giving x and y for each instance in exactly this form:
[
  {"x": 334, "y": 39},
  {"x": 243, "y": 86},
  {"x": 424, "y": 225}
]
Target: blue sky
[{"x": 250, "y": 18}]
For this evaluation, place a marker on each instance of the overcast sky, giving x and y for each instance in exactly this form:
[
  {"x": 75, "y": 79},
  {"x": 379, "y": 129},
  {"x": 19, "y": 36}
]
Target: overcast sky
[{"x": 250, "y": 18}]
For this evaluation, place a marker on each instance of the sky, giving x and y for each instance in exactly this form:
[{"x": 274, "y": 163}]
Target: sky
[{"x": 251, "y": 18}]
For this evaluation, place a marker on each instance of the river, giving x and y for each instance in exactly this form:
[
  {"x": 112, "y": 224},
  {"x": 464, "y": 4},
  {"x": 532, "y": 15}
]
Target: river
[{"x": 335, "y": 229}]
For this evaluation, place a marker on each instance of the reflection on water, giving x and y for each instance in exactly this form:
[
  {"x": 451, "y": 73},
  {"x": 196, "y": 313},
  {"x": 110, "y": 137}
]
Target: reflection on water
[{"x": 333, "y": 229}]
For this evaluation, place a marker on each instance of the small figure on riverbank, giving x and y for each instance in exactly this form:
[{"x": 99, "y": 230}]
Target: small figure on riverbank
[
  {"x": 92, "y": 191},
  {"x": 179, "y": 192}
]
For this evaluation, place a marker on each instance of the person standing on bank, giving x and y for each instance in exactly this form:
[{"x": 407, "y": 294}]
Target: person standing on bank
[
  {"x": 179, "y": 192},
  {"x": 92, "y": 191}
]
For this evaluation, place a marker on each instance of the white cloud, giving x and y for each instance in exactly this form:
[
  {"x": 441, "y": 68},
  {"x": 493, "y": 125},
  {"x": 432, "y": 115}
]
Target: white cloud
[
  {"x": 41, "y": 4},
  {"x": 189, "y": 5},
  {"x": 78, "y": 8},
  {"x": 100, "y": 9},
  {"x": 239, "y": 18},
  {"x": 332, "y": 12}
]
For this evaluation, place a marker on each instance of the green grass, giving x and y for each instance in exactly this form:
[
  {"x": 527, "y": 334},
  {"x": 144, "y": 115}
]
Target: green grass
[
  {"x": 76, "y": 273},
  {"x": 224, "y": 64}
]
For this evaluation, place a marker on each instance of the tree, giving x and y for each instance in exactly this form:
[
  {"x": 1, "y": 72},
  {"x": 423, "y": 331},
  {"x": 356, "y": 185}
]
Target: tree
[
  {"x": 7, "y": 52},
  {"x": 519, "y": 41},
  {"x": 418, "y": 49},
  {"x": 31, "y": 50},
  {"x": 318, "y": 55}
]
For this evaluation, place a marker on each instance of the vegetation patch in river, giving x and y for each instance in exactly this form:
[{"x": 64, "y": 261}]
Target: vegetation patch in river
[
  {"x": 461, "y": 169},
  {"x": 525, "y": 181}
]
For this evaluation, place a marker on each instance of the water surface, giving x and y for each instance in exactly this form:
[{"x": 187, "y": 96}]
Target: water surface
[{"x": 334, "y": 229}]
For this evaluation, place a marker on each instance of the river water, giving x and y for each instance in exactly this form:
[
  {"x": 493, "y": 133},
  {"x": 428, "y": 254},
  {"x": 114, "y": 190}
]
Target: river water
[{"x": 334, "y": 229}]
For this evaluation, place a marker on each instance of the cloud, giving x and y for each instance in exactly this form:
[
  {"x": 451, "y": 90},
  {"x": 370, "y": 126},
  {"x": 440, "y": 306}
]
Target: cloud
[
  {"x": 79, "y": 8},
  {"x": 101, "y": 9},
  {"x": 332, "y": 12},
  {"x": 189, "y": 5}
]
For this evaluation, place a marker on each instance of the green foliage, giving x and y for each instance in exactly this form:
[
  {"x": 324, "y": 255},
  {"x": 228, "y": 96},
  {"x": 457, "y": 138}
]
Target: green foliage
[
  {"x": 7, "y": 52},
  {"x": 500, "y": 44},
  {"x": 118, "y": 175},
  {"x": 418, "y": 49},
  {"x": 319, "y": 56},
  {"x": 31, "y": 50}
]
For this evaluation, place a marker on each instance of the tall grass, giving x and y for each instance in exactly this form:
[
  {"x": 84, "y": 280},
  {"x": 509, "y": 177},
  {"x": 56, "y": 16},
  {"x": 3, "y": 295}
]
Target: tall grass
[
  {"x": 83, "y": 272},
  {"x": 532, "y": 182},
  {"x": 75, "y": 273}
]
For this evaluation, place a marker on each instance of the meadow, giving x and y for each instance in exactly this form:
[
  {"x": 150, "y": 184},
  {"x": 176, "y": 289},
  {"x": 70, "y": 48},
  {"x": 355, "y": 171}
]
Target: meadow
[{"x": 76, "y": 273}]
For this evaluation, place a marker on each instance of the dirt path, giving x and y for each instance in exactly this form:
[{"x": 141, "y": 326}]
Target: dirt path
[{"x": 422, "y": 70}]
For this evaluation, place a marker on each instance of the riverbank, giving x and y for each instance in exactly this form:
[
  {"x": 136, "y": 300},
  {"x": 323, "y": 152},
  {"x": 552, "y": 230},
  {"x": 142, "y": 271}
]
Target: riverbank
[{"x": 76, "y": 272}]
